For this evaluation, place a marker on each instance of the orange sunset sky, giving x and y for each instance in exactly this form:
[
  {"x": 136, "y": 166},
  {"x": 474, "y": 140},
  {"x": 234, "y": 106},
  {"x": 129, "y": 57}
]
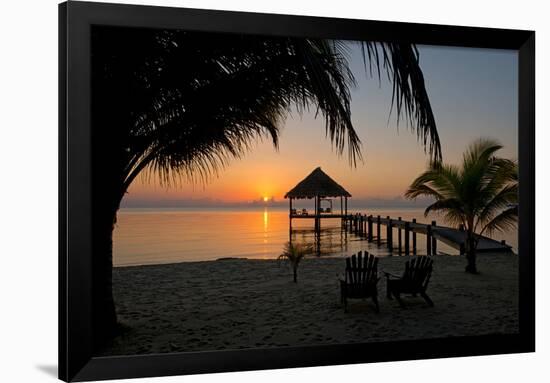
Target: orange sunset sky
[{"x": 473, "y": 94}]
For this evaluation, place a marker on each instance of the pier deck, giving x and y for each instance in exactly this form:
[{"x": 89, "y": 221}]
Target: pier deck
[
  {"x": 368, "y": 226},
  {"x": 327, "y": 215}
]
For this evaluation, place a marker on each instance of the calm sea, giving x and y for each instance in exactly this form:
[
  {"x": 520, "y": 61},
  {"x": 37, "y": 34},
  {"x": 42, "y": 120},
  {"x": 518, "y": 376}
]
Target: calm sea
[{"x": 155, "y": 236}]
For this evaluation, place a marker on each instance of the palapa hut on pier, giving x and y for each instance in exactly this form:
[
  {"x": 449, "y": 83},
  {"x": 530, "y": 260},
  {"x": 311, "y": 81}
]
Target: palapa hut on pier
[{"x": 320, "y": 187}]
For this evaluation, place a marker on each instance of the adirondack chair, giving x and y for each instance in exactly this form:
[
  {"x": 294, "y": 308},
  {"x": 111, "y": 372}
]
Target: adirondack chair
[
  {"x": 414, "y": 281},
  {"x": 360, "y": 279}
]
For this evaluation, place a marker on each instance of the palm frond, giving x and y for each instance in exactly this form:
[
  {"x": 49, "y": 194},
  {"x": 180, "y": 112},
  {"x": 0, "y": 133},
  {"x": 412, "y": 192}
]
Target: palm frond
[
  {"x": 420, "y": 190},
  {"x": 452, "y": 210},
  {"x": 439, "y": 181},
  {"x": 479, "y": 152},
  {"x": 295, "y": 252},
  {"x": 183, "y": 104},
  {"x": 401, "y": 62},
  {"x": 499, "y": 180},
  {"x": 505, "y": 221},
  {"x": 444, "y": 205},
  {"x": 502, "y": 199}
]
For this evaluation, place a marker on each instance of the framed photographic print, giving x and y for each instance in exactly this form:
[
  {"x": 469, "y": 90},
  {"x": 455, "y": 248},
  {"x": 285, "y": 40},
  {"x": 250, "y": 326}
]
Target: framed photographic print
[{"x": 249, "y": 191}]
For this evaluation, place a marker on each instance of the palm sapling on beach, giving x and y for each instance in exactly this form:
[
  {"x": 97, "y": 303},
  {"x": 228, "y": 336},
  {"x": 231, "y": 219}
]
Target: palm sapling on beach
[{"x": 294, "y": 253}]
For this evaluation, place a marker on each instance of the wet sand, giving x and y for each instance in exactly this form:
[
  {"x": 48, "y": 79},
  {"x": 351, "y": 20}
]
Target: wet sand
[{"x": 234, "y": 304}]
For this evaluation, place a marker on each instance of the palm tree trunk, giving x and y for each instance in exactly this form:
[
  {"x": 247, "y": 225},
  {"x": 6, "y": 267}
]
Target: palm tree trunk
[
  {"x": 295, "y": 270},
  {"x": 471, "y": 253},
  {"x": 104, "y": 313},
  {"x": 107, "y": 196}
]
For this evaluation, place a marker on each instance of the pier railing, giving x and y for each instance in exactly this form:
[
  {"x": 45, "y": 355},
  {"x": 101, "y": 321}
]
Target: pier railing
[{"x": 370, "y": 228}]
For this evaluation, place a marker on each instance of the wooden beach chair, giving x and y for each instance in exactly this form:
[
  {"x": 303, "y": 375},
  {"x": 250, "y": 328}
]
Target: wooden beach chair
[
  {"x": 360, "y": 279},
  {"x": 414, "y": 281}
]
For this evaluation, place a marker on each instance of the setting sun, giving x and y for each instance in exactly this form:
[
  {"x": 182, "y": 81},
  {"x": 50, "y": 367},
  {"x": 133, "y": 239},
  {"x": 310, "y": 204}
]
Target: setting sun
[{"x": 266, "y": 199}]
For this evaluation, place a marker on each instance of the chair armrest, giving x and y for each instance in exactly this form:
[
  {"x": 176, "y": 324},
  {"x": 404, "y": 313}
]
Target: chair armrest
[{"x": 390, "y": 275}]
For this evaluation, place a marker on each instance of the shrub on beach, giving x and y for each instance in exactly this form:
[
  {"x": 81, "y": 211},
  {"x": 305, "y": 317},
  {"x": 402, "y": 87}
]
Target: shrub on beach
[{"x": 295, "y": 252}]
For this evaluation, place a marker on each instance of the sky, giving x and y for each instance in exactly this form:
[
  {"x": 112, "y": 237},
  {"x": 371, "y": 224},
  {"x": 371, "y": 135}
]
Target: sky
[{"x": 473, "y": 93}]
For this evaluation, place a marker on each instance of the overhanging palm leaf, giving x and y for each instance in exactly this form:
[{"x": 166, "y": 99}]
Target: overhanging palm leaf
[
  {"x": 189, "y": 82},
  {"x": 409, "y": 95},
  {"x": 481, "y": 195}
]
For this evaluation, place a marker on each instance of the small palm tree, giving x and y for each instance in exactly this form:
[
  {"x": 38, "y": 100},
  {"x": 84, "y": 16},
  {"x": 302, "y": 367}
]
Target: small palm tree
[
  {"x": 295, "y": 252},
  {"x": 481, "y": 195}
]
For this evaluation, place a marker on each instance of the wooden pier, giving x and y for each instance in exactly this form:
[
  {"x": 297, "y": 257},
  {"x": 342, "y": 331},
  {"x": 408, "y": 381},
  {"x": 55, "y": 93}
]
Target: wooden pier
[
  {"x": 319, "y": 187},
  {"x": 370, "y": 227}
]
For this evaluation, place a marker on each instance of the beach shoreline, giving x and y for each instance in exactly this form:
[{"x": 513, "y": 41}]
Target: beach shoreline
[{"x": 253, "y": 303}]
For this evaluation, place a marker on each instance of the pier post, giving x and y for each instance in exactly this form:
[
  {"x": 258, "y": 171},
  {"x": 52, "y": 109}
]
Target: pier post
[
  {"x": 342, "y": 211},
  {"x": 434, "y": 240},
  {"x": 429, "y": 240},
  {"x": 462, "y": 249},
  {"x": 389, "y": 234},
  {"x": 414, "y": 238},
  {"x": 399, "y": 246},
  {"x": 290, "y": 221},
  {"x": 346, "y": 205},
  {"x": 317, "y": 214},
  {"x": 378, "y": 230},
  {"x": 369, "y": 228},
  {"x": 407, "y": 230}
]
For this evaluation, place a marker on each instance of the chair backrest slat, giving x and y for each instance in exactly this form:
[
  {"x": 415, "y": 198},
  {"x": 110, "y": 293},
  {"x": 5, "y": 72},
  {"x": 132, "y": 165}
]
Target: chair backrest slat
[
  {"x": 418, "y": 272},
  {"x": 361, "y": 269},
  {"x": 359, "y": 273}
]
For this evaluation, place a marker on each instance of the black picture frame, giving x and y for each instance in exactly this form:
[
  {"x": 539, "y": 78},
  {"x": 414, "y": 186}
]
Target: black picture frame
[{"x": 76, "y": 362}]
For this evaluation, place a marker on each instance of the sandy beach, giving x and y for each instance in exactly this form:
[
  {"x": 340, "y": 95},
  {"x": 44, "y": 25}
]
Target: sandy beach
[{"x": 232, "y": 304}]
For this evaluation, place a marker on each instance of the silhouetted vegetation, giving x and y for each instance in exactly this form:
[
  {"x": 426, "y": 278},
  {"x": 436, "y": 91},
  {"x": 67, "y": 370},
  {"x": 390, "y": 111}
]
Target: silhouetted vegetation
[
  {"x": 294, "y": 253},
  {"x": 481, "y": 194}
]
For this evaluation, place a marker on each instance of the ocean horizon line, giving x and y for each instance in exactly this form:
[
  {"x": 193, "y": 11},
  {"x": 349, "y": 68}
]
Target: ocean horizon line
[{"x": 351, "y": 209}]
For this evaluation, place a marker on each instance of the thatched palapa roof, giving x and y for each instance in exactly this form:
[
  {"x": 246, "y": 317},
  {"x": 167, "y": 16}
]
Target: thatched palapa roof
[{"x": 317, "y": 183}]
